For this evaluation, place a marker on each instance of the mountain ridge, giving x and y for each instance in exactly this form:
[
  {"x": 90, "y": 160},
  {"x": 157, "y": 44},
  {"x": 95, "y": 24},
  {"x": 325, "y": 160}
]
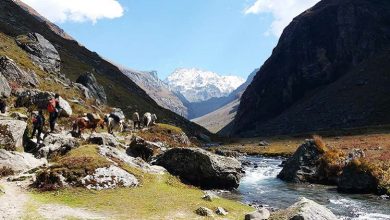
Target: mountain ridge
[{"x": 311, "y": 75}]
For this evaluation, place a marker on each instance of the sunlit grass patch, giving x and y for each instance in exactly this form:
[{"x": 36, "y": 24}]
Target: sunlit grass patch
[{"x": 158, "y": 198}]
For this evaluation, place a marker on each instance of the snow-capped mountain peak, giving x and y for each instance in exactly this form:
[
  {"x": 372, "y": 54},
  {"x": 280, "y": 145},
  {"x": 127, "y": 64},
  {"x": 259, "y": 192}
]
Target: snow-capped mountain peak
[{"x": 198, "y": 85}]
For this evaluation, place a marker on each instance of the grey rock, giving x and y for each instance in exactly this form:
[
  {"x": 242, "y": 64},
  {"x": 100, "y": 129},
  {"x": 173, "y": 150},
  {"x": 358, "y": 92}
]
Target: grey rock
[
  {"x": 221, "y": 211},
  {"x": 119, "y": 154},
  {"x": 263, "y": 144},
  {"x": 109, "y": 178},
  {"x": 57, "y": 144},
  {"x": 11, "y": 133},
  {"x": 144, "y": 149},
  {"x": 94, "y": 88},
  {"x": 203, "y": 211},
  {"x": 41, "y": 51},
  {"x": 261, "y": 214},
  {"x": 306, "y": 209},
  {"x": 87, "y": 93},
  {"x": 355, "y": 180},
  {"x": 5, "y": 89},
  {"x": 38, "y": 98},
  {"x": 305, "y": 166},
  {"x": 202, "y": 168},
  {"x": 103, "y": 139},
  {"x": 19, "y": 162},
  {"x": 356, "y": 154},
  {"x": 11, "y": 71},
  {"x": 209, "y": 196}
]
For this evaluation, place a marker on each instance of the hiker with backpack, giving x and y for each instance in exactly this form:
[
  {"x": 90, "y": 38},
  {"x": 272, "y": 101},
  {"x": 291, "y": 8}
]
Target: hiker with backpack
[
  {"x": 53, "y": 108},
  {"x": 3, "y": 106},
  {"x": 38, "y": 121}
]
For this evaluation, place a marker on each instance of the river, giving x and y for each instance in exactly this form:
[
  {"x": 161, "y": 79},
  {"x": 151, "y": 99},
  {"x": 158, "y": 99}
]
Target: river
[{"x": 260, "y": 186}]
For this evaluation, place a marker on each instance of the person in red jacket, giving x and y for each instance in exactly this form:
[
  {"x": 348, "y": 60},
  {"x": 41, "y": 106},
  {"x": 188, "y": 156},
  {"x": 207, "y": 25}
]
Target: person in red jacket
[{"x": 53, "y": 108}]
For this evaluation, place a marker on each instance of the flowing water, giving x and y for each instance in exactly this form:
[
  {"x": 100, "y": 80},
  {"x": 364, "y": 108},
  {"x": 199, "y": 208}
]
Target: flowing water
[{"x": 260, "y": 186}]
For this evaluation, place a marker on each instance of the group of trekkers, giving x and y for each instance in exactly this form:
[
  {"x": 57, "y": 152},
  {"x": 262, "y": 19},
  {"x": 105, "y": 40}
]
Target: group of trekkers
[{"x": 88, "y": 121}]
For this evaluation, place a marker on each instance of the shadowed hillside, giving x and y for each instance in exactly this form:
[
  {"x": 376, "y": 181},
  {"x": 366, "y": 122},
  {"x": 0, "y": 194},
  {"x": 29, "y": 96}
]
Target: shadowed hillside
[{"x": 329, "y": 71}]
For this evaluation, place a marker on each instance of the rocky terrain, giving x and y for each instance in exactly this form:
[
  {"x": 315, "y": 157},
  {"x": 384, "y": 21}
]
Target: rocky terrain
[{"x": 328, "y": 71}]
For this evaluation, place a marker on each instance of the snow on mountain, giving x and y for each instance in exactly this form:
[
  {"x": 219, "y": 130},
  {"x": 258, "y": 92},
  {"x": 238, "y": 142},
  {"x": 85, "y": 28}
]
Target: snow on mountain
[
  {"x": 157, "y": 90},
  {"x": 198, "y": 85}
]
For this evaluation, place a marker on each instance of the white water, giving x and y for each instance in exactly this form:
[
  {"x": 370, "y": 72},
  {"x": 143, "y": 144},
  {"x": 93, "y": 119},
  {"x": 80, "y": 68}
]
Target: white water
[{"x": 260, "y": 186}]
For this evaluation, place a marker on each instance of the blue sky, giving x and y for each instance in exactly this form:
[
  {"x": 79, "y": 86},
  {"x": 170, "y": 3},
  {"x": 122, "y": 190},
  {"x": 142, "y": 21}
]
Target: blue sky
[{"x": 230, "y": 37}]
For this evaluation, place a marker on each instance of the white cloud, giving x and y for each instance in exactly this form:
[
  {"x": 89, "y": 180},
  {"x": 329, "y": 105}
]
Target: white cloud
[
  {"x": 283, "y": 11},
  {"x": 77, "y": 10}
]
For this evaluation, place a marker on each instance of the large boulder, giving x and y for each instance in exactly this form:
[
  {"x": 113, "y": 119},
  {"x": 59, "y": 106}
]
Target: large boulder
[
  {"x": 19, "y": 162},
  {"x": 358, "y": 178},
  {"x": 261, "y": 214},
  {"x": 313, "y": 163},
  {"x": 202, "y": 168},
  {"x": 144, "y": 149},
  {"x": 5, "y": 89},
  {"x": 41, "y": 51},
  {"x": 109, "y": 178},
  {"x": 103, "y": 139},
  {"x": 306, "y": 209},
  {"x": 95, "y": 89},
  {"x": 118, "y": 154},
  {"x": 11, "y": 133},
  {"x": 11, "y": 71},
  {"x": 38, "y": 98},
  {"x": 57, "y": 144}
]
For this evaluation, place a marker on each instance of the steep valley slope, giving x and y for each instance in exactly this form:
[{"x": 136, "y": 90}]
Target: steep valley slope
[
  {"x": 329, "y": 71},
  {"x": 17, "y": 19}
]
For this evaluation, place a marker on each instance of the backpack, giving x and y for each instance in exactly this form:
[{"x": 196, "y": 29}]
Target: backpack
[{"x": 51, "y": 107}]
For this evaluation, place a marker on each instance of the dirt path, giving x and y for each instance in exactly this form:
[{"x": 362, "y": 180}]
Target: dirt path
[{"x": 14, "y": 199}]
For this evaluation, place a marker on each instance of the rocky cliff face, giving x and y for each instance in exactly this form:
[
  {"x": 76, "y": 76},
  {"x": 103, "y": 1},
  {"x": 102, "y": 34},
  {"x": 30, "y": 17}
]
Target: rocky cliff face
[{"x": 329, "y": 70}]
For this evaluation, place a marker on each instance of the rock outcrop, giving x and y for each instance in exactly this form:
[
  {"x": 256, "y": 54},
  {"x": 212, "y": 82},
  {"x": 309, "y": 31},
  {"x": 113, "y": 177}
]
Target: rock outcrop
[
  {"x": 303, "y": 165},
  {"x": 144, "y": 149},
  {"x": 11, "y": 133},
  {"x": 57, "y": 144},
  {"x": 5, "y": 89},
  {"x": 328, "y": 71},
  {"x": 109, "y": 178},
  {"x": 38, "y": 98},
  {"x": 11, "y": 71},
  {"x": 358, "y": 179},
  {"x": 306, "y": 209},
  {"x": 261, "y": 214},
  {"x": 314, "y": 164},
  {"x": 119, "y": 154},
  {"x": 95, "y": 89},
  {"x": 202, "y": 168},
  {"x": 41, "y": 51},
  {"x": 103, "y": 139},
  {"x": 19, "y": 162}
]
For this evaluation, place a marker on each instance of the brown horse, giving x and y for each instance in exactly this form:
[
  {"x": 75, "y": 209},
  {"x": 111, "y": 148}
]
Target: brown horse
[{"x": 80, "y": 124}]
